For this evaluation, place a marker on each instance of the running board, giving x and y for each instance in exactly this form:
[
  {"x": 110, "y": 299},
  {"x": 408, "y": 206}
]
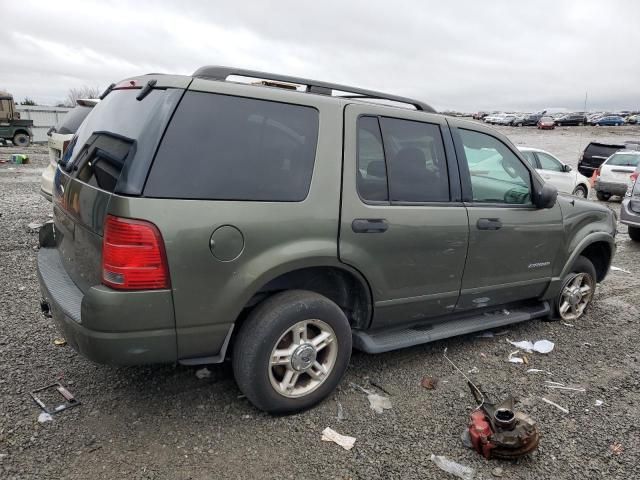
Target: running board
[{"x": 387, "y": 340}]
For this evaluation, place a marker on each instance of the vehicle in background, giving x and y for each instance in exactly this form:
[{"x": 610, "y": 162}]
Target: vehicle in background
[
  {"x": 572, "y": 119},
  {"x": 479, "y": 115},
  {"x": 546, "y": 123},
  {"x": 633, "y": 119},
  {"x": 505, "y": 119},
  {"x": 289, "y": 226},
  {"x": 493, "y": 118},
  {"x": 630, "y": 208},
  {"x": 11, "y": 126},
  {"x": 594, "y": 154},
  {"x": 608, "y": 120},
  {"x": 518, "y": 120},
  {"x": 557, "y": 173},
  {"x": 612, "y": 177},
  {"x": 532, "y": 119},
  {"x": 59, "y": 137}
]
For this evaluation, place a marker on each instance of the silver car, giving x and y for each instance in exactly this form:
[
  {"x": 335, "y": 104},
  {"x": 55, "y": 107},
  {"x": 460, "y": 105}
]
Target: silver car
[{"x": 630, "y": 209}]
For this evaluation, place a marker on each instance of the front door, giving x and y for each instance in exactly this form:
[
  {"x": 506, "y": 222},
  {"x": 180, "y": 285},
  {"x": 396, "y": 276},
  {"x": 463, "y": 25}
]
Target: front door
[
  {"x": 553, "y": 171},
  {"x": 403, "y": 224},
  {"x": 512, "y": 244}
]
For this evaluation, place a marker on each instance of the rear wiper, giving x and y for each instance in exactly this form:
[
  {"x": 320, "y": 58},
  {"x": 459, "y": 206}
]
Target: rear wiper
[
  {"x": 146, "y": 89},
  {"x": 107, "y": 91}
]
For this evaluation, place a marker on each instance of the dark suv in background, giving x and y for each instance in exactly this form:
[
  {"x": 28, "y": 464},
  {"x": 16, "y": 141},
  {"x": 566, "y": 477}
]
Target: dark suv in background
[
  {"x": 573, "y": 119},
  {"x": 198, "y": 219},
  {"x": 596, "y": 153}
]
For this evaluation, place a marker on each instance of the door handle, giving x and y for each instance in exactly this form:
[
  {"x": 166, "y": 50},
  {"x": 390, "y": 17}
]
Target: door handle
[
  {"x": 489, "y": 224},
  {"x": 369, "y": 225}
]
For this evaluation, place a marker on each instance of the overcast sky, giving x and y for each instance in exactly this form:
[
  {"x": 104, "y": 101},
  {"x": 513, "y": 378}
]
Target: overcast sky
[{"x": 465, "y": 55}]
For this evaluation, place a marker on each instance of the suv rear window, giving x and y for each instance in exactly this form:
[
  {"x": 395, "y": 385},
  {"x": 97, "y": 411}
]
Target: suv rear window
[
  {"x": 72, "y": 120},
  {"x": 220, "y": 147}
]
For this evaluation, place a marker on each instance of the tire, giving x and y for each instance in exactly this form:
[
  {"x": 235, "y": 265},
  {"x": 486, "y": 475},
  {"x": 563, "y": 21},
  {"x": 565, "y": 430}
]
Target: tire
[
  {"x": 582, "y": 274},
  {"x": 603, "y": 196},
  {"x": 269, "y": 326},
  {"x": 634, "y": 233},
  {"x": 580, "y": 191},
  {"x": 21, "y": 140}
]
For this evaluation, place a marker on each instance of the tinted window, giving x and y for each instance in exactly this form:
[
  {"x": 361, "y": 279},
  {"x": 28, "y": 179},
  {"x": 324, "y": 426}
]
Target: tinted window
[
  {"x": 231, "y": 148},
  {"x": 72, "y": 120},
  {"x": 372, "y": 172},
  {"x": 497, "y": 174},
  {"x": 415, "y": 161},
  {"x": 547, "y": 162}
]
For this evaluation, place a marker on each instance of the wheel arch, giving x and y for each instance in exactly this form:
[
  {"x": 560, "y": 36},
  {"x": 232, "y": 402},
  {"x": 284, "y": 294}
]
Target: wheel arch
[
  {"x": 18, "y": 131},
  {"x": 599, "y": 249}
]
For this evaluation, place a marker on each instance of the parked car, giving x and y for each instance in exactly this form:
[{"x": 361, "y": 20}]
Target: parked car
[
  {"x": 505, "y": 120},
  {"x": 571, "y": 119},
  {"x": 59, "y": 138},
  {"x": 557, "y": 173},
  {"x": 479, "y": 115},
  {"x": 594, "y": 154},
  {"x": 608, "y": 120},
  {"x": 546, "y": 123},
  {"x": 196, "y": 219},
  {"x": 518, "y": 120},
  {"x": 532, "y": 120},
  {"x": 630, "y": 209},
  {"x": 613, "y": 175}
]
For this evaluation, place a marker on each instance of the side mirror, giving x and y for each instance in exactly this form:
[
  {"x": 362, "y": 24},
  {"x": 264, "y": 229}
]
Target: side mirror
[
  {"x": 546, "y": 196},
  {"x": 567, "y": 168}
]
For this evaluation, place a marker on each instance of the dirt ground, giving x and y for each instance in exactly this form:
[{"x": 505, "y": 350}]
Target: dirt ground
[{"x": 162, "y": 422}]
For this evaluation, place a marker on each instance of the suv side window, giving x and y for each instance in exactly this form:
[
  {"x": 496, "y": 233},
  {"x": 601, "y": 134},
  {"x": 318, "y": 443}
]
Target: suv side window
[
  {"x": 547, "y": 162},
  {"x": 222, "y": 147},
  {"x": 497, "y": 175},
  {"x": 415, "y": 160},
  {"x": 371, "y": 176}
]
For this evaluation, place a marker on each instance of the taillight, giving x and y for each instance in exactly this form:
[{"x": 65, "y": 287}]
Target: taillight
[
  {"x": 598, "y": 171},
  {"x": 634, "y": 177},
  {"x": 133, "y": 255}
]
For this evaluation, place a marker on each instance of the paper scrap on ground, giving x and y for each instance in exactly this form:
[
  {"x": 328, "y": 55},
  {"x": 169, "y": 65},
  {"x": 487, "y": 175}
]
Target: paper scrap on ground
[
  {"x": 203, "y": 373},
  {"x": 378, "y": 403},
  {"x": 541, "y": 346},
  {"x": 454, "y": 468},
  {"x": 598, "y": 403},
  {"x": 618, "y": 269},
  {"x": 562, "y": 409},
  {"x": 44, "y": 417},
  {"x": 330, "y": 435},
  {"x": 513, "y": 359}
]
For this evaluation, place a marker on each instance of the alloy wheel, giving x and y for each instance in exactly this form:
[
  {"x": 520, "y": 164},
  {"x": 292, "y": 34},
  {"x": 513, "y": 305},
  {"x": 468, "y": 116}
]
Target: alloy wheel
[{"x": 575, "y": 296}]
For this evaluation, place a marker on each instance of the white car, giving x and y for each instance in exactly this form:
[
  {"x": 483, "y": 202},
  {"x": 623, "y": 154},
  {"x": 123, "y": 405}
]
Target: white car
[
  {"x": 612, "y": 177},
  {"x": 59, "y": 137},
  {"x": 557, "y": 173}
]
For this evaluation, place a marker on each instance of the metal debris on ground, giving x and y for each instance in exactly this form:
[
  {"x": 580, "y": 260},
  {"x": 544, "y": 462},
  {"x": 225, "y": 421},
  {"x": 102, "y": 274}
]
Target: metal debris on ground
[
  {"x": 70, "y": 400},
  {"x": 203, "y": 373},
  {"x": 345, "y": 441},
  {"x": 60, "y": 342},
  {"x": 378, "y": 403},
  {"x": 454, "y": 468},
  {"x": 562, "y": 409},
  {"x": 429, "y": 382},
  {"x": 541, "y": 346}
]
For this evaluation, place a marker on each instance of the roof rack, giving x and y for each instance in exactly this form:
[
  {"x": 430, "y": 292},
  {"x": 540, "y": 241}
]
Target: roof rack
[{"x": 216, "y": 72}]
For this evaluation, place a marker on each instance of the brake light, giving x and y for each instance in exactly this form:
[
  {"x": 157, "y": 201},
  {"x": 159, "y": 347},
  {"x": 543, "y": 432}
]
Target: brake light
[
  {"x": 634, "y": 177},
  {"x": 133, "y": 255},
  {"x": 598, "y": 171}
]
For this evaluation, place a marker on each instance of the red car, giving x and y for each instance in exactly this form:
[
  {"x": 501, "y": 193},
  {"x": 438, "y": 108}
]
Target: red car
[{"x": 546, "y": 123}]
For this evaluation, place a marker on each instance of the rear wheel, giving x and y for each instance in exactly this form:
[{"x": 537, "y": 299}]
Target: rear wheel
[
  {"x": 292, "y": 351},
  {"x": 634, "y": 233},
  {"x": 577, "y": 290},
  {"x": 580, "y": 191},
  {"x": 21, "y": 140},
  {"x": 603, "y": 196}
]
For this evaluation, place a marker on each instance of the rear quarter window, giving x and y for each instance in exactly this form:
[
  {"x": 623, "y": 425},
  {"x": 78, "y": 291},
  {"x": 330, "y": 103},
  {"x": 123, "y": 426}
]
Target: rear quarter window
[{"x": 220, "y": 147}]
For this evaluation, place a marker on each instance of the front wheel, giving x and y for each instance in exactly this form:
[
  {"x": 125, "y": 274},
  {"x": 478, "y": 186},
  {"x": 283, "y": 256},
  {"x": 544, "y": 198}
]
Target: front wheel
[
  {"x": 21, "y": 140},
  {"x": 603, "y": 196},
  {"x": 577, "y": 291},
  {"x": 634, "y": 233},
  {"x": 292, "y": 351},
  {"x": 580, "y": 191}
]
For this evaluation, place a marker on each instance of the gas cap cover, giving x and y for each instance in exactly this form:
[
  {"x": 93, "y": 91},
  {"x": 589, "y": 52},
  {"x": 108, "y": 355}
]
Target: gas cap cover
[{"x": 227, "y": 243}]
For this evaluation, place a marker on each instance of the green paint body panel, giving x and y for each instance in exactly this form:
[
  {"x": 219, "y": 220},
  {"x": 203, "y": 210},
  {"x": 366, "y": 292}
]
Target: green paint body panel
[{"x": 431, "y": 262}]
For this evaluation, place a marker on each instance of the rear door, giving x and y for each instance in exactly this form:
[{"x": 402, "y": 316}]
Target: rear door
[
  {"x": 403, "y": 224},
  {"x": 552, "y": 170},
  {"x": 512, "y": 244}
]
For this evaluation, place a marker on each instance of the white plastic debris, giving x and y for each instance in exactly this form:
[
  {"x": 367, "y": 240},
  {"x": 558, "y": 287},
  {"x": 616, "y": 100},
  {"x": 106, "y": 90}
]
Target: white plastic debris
[
  {"x": 618, "y": 269},
  {"x": 562, "y": 387},
  {"x": 554, "y": 383},
  {"x": 44, "y": 417},
  {"x": 36, "y": 226},
  {"x": 454, "y": 468},
  {"x": 562, "y": 409},
  {"x": 513, "y": 359},
  {"x": 203, "y": 373},
  {"x": 598, "y": 403},
  {"x": 330, "y": 435},
  {"x": 537, "y": 370},
  {"x": 378, "y": 403},
  {"x": 568, "y": 324},
  {"x": 474, "y": 370},
  {"x": 541, "y": 346}
]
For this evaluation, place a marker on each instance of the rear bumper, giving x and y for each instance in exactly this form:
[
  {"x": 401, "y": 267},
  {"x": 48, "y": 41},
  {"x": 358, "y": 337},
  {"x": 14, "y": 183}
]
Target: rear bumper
[
  {"x": 73, "y": 313},
  {"x": 611, "y": 187},
  {"x": 628, "y": 216}
]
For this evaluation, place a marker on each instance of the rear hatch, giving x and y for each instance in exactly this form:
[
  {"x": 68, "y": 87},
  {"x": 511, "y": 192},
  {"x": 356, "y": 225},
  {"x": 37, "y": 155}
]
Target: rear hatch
[
  {"x": 594, "y": 155},
  {"x": 110, "y": 154},
  {"x": 619, "y": 167}
]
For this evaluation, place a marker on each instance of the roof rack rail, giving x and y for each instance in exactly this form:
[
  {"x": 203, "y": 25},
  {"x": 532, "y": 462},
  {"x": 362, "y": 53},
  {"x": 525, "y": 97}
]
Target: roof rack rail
[{"x": 216, "y": 72}]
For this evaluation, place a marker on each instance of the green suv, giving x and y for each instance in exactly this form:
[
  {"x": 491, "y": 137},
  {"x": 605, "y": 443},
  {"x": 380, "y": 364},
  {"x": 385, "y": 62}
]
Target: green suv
[{"x": 284, "y": 221}]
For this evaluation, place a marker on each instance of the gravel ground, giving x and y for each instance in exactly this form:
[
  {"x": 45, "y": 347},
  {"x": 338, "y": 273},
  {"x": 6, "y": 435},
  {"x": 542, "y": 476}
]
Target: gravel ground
[{"x": 162, "y": 422}]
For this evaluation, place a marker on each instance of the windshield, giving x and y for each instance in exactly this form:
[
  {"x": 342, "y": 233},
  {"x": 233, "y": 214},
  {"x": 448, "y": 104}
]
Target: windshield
[{"x": 624, "y": 160}]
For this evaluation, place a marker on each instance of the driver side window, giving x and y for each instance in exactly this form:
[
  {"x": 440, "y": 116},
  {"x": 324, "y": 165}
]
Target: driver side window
[{"x": 497, "y": 175}]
